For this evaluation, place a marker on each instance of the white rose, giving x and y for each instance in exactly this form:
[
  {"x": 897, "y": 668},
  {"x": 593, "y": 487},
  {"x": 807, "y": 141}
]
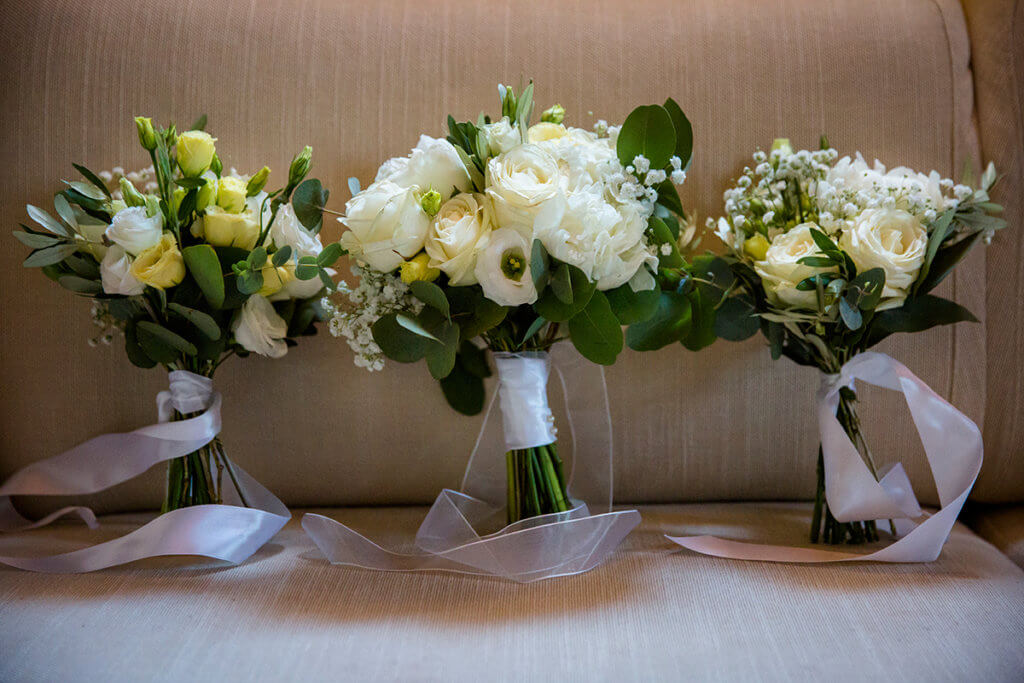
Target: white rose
[
  {"x": 891, "y": 239},
  {"x": 116, "y": 275},
  {"x": 134, "y": 230},
  {"x": 501, "y": 136},
  {"x": 259, "y": 329},
  {"x": 518, "y": 182},
  {"x": 288, "y": 231},
  {"x": 460, "y": 229},
  {"x": 434, "y": 164},
  {"x": 503, "y": 269},
  {"x": 386, "y": 225},
  {"x": 780, "y": 272}
]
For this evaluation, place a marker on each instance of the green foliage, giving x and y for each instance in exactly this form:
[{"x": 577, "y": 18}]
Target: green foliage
[
  {"x": 669, "y": 324},
  {"x": 647, "y": 131},
  {"x": 595, "y": 331},
  {"x": 632, "y": 307},
  {"x": 569, "y": 293},
  {"x": 308, "y": 201}
]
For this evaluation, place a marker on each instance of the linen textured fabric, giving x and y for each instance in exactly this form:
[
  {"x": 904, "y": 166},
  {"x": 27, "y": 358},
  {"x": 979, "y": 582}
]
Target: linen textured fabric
[
  {"x": 648, "y": 614},
  {"x": 360, "y": 81},
  {"x": 1002, "y": 526}
]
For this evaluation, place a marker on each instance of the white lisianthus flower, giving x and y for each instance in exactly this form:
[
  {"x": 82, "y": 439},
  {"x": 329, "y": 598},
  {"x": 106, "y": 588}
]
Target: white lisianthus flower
[
  {"x": 780, "y": 272},
  {"x": 386, "y": 225},
  {"x": 503, "y": 269},
  {"x": 259, "y": 329},
  {"x": 134, "y": 230},
  {"x": 434, "y": 164},
  {"x": 460, "y": 229},
  {"x": 518, "y": 182},
  {"x": 288, "y": 231},
  {"x": 116, "y": 275},
  {"x": 501, "y": 136},
  {"x": 893, "y": 240}
]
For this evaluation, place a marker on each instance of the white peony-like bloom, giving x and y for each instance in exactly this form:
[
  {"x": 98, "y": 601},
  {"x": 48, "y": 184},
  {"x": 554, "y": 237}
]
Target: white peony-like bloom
[
  {"x": 503, "y": 269},
  {"x": 582, "y": 157},
  {"x": 259, "y": 329},
  {"x": 780, "y": 273},
  {"x": 434, "y": 164},
  {"x": 518, "y": 182},
  {"x": 386, "y": 225},
  {"x": 501, "y": 136},
  {"x": 288, "y": 231},
  {"x": 460, "y": 229},
  {"x": 891, "y": 239},
  {"x": 134, "y": 230},
  {"x": 116, "y": 275}
]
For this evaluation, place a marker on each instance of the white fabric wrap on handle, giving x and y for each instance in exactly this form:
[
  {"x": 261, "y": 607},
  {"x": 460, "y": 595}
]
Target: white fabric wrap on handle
[
  {"x": 952, "y": 443},
  {"x": 453, "y": 536},
  {"x": 226, "y": 531}
]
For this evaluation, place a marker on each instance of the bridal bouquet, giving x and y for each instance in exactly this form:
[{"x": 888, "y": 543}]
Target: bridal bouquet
[
  {"x": 514, "y": 237},
  {"x": 190, "y": 264},
  {"x": 827, "y": 258}
]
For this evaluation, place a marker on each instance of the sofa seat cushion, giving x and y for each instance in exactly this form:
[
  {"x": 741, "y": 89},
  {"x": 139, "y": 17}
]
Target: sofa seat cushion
[
  {"x": 650, "y": 613},
  {"x": 1002, "y": 526}
]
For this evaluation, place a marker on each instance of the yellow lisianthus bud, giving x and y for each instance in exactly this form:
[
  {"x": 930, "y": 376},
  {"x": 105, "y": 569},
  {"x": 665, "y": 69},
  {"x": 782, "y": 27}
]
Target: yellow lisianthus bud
[
  {"x": 147, "y": 136},
  {"x": 195, "y": 149},
  {"x": 161, "y": 265},
  {"x": 418, "y": 268},
  {"x": 300, "y": 166},
  {"x": 275, "y": 278},
  {"x": 207, "y": 194},
  {"x": 539, "y": 132},
  {"x": 756, "y": 247},
  {"x": 555, "y": 114},
  {"x": 431, "y": 202},
  {"x": 231, "y": 194},
  {"x": 256, "y": 183},
  {"x": 223, "y": 229}
]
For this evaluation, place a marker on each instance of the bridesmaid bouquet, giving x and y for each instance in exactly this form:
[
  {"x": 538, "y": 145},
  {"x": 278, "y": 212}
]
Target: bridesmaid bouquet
[
  {"x": 514, "y": 237},
  {"x": 191, "y": 265},
  {"x": 827, "y": 258}
]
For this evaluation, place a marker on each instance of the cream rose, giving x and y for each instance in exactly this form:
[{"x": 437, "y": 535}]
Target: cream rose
[
  {"x": 115, "y": 273},
  {"x": 386, "y": 225},
  {"x": 161, "y": 265},
  {"x": 780, "y": 271},
  {"x": 134, "y": 230},
  {"x": 503, "y": 269},
  {"x": 501, "y": 136},
  {"x": 460, "y": 229},
  {"x": 195, "y": 151},
  {"x": 518, "y": 182},
  {"x": 231, "y": 194},
  {"x": 893, "y": 240},
  {"x": 259, "y": 329}
]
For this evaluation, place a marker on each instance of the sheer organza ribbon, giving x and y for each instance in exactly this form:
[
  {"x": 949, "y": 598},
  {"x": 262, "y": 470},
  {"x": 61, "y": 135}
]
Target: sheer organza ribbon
[
  {"x": 952, "y": 443},
  {"x": 225, "y": 532},
  {"x": 453, "y": 535}
]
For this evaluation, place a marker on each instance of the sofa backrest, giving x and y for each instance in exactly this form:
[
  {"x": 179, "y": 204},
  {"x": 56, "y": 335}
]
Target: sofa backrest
[{"x": 359, "y": 82}]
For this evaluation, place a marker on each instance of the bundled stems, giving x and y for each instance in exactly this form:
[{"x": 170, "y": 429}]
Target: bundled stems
[
  {"x": 824, "y": 527},
  {"x": 536, "y": 482},
  {"x": 191, "y": 479}
]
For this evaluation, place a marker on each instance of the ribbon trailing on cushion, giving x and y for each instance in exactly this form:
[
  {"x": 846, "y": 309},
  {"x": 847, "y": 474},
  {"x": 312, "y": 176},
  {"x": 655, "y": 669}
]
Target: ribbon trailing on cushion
[
  {"x": 952, "y": 443},
  {"x": 450, "y": 537},
  {"x": 225, "y": 531}
]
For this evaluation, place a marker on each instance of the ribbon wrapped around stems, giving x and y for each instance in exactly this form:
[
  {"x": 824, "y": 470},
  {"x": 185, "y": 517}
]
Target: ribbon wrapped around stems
[
  {"x": 952, "y": 443},
  {"x": 223, "y": 531},
  {"x": 452, "y": 537}
]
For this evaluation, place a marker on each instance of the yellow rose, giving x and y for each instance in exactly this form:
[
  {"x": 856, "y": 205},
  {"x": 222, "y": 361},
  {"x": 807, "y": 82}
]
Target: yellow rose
[
  {"x": 756, "y": 247},
  {"x": 418, "y": 268},
  {"x": 223, "y": 229},
  {"x": 195, "y": 151},
  {"x": 161, "y": 265},
  {"x": 275, "y": 278},
  {"x": 539, "y": 132},
  {"x": 231, "y": 194}
]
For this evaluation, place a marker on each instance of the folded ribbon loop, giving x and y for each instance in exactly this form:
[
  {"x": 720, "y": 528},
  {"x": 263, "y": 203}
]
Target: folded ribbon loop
[
  {"x": 225, "y": 532},
  {"x": 450, "y": 537},
  {"x": 952, "y": 443}
]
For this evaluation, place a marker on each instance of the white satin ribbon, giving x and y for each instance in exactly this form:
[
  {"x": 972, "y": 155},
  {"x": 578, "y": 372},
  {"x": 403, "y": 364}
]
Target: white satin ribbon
[
  {"x": 224, "y": 532},
  {"x": 952, "y": 443},
  {"x": 450, "y": 538}
]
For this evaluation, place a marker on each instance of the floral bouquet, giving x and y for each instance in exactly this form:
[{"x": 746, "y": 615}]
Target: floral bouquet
[
  {"x": 191, "y": 265},
  {"x": 827, "y": 258},
  {"x": 514, "y": 237}
]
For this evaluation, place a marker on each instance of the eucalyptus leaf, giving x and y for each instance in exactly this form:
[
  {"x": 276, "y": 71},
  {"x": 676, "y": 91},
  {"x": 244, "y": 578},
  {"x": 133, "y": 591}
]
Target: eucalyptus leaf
[
  {"x": 647, "y": 131},
  {"x": 205, "y": 267},
  {"x": 463, "y": 390},
  {"x": 147, "y": 329},
  {"x": 736, "y": 319},
  {"x": 414, "y": 326},
  {"x": 308, "y": 202},
  {"x": 398, "y": 343},
  {"x": 204, "y": 322},
  {"x": 432, "y": 295},
  {"x": 539, "y": 265},
  {"x": 595, "y": 331},
  {"x": 669, "y": 324},
  {"x": 330, "y": 255},
  {"x": 552, "y": 307},
  {"x": 281, "y": 256},
  {"x": 684, "y": 132},
  {"x": 441, "y": 357},
  {"x": 633, "y": 307},
  {"x": 133, "y": 350}
]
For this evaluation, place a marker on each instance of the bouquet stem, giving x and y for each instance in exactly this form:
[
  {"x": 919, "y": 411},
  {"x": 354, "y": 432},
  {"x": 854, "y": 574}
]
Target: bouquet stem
[
  {"x": 824, "y": 527},
  {"x": 197, "y": 478},
  {"x": 536, "y": 482}
]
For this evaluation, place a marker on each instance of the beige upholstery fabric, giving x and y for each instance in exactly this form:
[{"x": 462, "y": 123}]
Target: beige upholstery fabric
[
  {"x": 1002, "y": 526},
  {"x": 997, "y": 55},
  {"x": 649, "y": 614},
  {"x": 360, "y": 81}
]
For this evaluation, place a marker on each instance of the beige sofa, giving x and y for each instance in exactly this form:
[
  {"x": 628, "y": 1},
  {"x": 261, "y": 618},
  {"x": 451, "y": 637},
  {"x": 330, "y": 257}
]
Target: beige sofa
[{"x": 699, "y": 439}]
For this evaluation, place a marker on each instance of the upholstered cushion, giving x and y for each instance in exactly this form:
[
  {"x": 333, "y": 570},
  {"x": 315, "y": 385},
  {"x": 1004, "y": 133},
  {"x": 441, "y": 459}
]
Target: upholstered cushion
[
  {"x": 360, "y": 81},
  {"x": 1002, "y": 526},
  {"x": 651, "y": 613}
]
